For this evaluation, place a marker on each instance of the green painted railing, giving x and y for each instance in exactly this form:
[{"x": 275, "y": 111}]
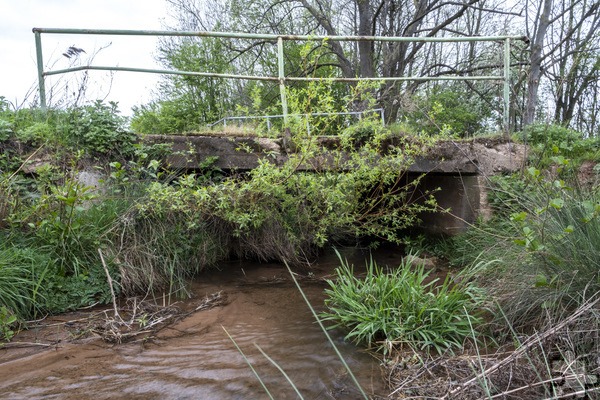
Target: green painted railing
[{"x": 281, "y": 78}]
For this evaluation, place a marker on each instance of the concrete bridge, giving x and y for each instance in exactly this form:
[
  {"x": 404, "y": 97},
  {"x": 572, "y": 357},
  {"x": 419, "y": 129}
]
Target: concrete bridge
[{"x": 459, "y": 168}]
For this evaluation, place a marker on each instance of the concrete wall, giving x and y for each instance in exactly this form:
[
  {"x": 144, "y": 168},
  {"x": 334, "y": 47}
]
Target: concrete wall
[{"x": 459, "y": 194}]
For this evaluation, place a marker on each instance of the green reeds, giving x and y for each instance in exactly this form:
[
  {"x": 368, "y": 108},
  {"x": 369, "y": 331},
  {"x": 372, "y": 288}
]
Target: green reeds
[{"x": 402, "y": 306}]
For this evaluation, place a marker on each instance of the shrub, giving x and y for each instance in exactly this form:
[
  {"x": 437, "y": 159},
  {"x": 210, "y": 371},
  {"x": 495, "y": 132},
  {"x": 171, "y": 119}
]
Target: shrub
[
  {"x": 98, "y": 129},
  {"x": 402, "y": 306},
  {"x": 447, "y": 110},
  {"x": 551, "y": 140}
]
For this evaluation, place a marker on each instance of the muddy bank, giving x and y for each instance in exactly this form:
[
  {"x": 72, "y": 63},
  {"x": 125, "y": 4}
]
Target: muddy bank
[{"x": 192, "y": 357}]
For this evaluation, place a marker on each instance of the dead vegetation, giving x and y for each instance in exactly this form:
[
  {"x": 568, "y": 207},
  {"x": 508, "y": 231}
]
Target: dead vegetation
[
  {"x": 137, "y": 319},
  {"x": 141, "y": 319},
  {"x": 561, "y": 362}
]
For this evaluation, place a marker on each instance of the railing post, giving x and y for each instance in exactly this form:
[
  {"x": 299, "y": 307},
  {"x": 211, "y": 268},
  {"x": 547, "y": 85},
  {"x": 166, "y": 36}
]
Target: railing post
[
  {"x": 506, "y": 116},
  {"x": 40, "y": 69},
  {"x": 282, "y": 81}
]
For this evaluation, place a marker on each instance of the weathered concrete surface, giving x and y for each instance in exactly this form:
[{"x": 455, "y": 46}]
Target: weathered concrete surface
[
  {"x": 457, "y": 168},
  {"x": 234, "y": 153},
  {"x": 460, "y": 194},
  {"x": 479, "y": 157}
]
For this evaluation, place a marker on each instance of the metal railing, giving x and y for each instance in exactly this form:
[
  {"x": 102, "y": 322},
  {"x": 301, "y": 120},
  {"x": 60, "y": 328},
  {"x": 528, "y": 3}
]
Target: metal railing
[
  {"x": 281, "y": 78},
  {"x": 268, "y": 118}
]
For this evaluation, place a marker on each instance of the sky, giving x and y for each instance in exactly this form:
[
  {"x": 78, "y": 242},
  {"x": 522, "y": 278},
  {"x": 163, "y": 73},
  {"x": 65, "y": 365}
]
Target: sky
[{"x": 18, "y": 70}]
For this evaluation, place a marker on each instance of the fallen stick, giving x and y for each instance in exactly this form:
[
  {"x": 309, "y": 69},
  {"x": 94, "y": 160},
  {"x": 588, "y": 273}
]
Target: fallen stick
[{"x": 110, "y": 284}]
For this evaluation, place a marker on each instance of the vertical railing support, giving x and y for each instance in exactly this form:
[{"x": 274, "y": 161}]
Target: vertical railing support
[
  {"x": 506, "y": 114},
  {"x": 282, "y": 81},
  {"x": 40, "y": 69}
]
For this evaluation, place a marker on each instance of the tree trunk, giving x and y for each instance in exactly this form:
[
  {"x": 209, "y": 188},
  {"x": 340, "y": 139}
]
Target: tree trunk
[{"x": 536, "y": 57}]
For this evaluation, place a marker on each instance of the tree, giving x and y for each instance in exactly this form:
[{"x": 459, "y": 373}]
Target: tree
[{"x": 563, "y": 42}]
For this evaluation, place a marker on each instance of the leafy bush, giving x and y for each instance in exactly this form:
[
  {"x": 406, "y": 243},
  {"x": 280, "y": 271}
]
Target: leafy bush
[
  {"x": 551, "y": 140},
  {"x": 447, "y": 110},
  {"x": 176, "y": 115},
  {"x": 402, "y": 306},
  {"x": 99, "y": 129}
]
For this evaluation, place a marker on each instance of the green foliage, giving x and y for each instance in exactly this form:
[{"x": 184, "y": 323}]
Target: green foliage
[
  {"x": 62, "y": 225},
  {"x": 183, "y": 224},
  {"x": 5, "y": 130},
  {"x": 539, "y": 256},
  {"x": 402, "y": 306},
  {"x": 175, "y": 115},
  {"x": 98, "y": 129},
  {"x": 50, "y": 249},
  {"x": 18, "y": 282},
  {"x": 297, "y": 212},
  {"x": 95, "y": 129},
  {"x": 447, "y": 111},
  {"x": 7, "y": 322},
  {"x": 70, "y": 292},
  {"x": 278, "y": 212},
  {"x": 189, "y": 102},
  {"x": 548, "y": 141}
]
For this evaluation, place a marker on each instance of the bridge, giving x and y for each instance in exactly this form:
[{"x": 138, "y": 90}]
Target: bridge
[{"x": 460, "y": 169}]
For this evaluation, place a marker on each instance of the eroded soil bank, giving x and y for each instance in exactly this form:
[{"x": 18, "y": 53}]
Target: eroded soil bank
[{"x": 192, "y": 357}]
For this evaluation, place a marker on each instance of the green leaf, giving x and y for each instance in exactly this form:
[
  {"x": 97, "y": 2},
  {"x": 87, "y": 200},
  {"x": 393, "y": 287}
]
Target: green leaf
[
  {"x": 518, "y": 217},
  {"x": 569, "y": 229},
  {"x": 557, "y": 203}
]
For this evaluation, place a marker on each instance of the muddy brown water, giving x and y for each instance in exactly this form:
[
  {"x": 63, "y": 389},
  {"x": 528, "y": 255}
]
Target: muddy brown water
[{"x": 195, "y": 359}]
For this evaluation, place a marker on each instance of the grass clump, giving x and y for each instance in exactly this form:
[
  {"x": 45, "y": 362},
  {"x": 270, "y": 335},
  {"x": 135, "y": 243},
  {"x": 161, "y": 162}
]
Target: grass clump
[
  {"x": 402, "y": 306},
  {"x": 18, "y": 284}
]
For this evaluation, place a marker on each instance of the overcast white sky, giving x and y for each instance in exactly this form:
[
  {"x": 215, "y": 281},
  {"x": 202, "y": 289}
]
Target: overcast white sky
[{"x": 18, "y": 73}]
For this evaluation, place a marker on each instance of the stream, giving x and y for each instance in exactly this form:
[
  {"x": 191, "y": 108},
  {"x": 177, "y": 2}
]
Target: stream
[{"x": 194, "y": 358}]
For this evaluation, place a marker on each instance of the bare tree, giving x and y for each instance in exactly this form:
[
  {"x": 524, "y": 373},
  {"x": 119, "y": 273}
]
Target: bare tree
[{"x": 563, "y": 36}]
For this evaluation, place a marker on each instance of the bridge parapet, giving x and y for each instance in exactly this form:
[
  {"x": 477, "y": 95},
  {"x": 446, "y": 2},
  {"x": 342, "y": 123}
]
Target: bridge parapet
[{"x": 482, "y": 156}]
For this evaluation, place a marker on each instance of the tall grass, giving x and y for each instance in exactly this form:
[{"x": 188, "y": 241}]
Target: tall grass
[
  {"x": 159, "y": 254},
  {"x": 21, "y": 271},
  {"x": 402, "y": 306},
  {"x": 540, "y": 258}
]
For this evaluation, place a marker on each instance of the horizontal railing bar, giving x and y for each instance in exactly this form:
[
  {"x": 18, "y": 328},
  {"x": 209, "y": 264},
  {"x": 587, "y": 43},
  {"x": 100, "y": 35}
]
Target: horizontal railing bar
[
  {"x": 274, "y": 37},
  {"x": 162, "y": 71},
  {"x": 272, "y": 78},
  {"x": 320, "y": 114},
  {"x": 401, "y": 78}
]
